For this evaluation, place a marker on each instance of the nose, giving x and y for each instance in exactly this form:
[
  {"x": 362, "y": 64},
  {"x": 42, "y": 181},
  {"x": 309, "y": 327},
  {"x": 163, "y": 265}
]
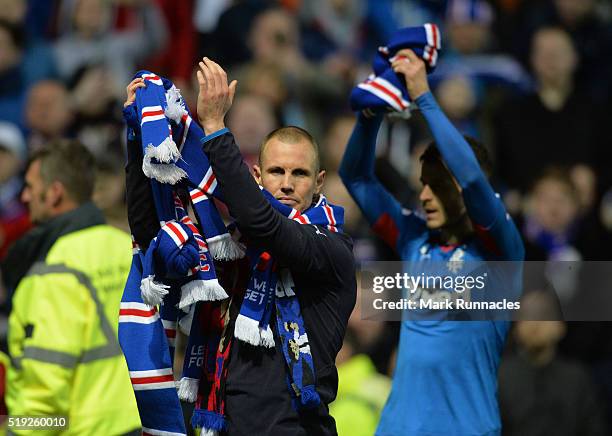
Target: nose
[
  {"x": 287, "y": 184},
  {"x": 25, "y": 196},
  {"x": 426, "y": 194}
]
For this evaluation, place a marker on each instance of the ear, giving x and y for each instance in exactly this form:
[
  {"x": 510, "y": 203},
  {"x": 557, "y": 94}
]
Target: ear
[
  {"x": 257, "y": 173},
  {"x": 56, "y": 194},
  {"x": 561, "y": 330},
  {"x": 319, "y": 181}
]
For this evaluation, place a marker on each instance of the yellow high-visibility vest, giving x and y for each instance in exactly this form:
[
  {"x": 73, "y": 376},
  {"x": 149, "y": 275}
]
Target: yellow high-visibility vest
[{"x": 65, "y": 355}]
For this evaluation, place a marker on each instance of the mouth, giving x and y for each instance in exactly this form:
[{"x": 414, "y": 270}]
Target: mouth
[
  {"x": 430, "y": 213},
  {"x": 287, "y": 200}
]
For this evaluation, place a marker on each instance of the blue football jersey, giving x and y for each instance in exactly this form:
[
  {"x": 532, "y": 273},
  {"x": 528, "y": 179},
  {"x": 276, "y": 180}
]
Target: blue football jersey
[{"x": 445, "y": 380}]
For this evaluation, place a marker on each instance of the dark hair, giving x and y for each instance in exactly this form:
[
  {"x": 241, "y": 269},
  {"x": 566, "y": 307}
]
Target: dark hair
[
  {"x": 432, "y": 154},
  {"x": 291, "y": 135},
  {"x": 15, "y": 32},
  {"x": 71, "y": 164},
  {"x": 559, "y": 174}
]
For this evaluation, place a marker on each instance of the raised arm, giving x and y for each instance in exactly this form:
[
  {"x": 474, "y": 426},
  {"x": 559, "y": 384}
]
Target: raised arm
[
  {"x": 484, "y": 207},
  {"x": 302, "y": 247},
  {"x": 381, "y": 209}
]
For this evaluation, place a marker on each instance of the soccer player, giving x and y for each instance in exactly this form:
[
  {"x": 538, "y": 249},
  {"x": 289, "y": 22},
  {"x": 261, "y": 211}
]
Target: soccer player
[{"x": 445, "y": 382}]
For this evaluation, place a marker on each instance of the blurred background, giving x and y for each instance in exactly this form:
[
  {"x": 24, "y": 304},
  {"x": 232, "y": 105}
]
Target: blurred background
[{"x": 531, "y": 78}]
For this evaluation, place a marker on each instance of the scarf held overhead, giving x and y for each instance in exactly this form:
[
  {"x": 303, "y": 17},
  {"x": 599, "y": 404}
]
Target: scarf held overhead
[{"x": 384, "y": 90}]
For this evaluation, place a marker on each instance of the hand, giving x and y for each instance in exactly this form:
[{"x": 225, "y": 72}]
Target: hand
[
  {"x": 131, "y": 90},
  {"x": 413, "y": 69},
  {"x": 215, "y": 96},
  {"x": 94, "y": 92}
]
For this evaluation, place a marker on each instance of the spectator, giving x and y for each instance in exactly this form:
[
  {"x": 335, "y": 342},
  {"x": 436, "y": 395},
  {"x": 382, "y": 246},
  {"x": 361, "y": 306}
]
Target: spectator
[
  {"x": 48, "y": 113},
  {"x": 554, "y": 125},
  {"x": 38, "y": 62},
  {"x": 109, "y": 191},
  {"x": 386, "y": 16},
  {"x": 91, "y": 42},
  {"x": 275, "y": 41},
  {"x": 591, "y": 34},
  {"x": 250, "y": 120},
  {"x": 233, "y": 29},
  {"x": 470, "y": 52},
  {"x": 332, "y": 26},
  {"x": 457, "y": 97},
  {"x": 97, "y": 122},
  {"x": 334, "y": 142},
  {"x": 13, "y": 81},
  {"x": 13, "y": 11},
  {"x": 540, "y": 392},
  {"x": 14, "y": 220},
  {"x": 69, "y": 274},
  {"x": 265, "y": 80},
  {"x": 552, "y": 215}
]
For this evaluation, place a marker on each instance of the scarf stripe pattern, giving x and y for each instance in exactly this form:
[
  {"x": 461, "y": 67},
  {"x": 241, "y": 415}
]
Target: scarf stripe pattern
[
  {"x": 147, "y": 340},
  {"x": 385, "y": 90},
  {"x": 206, "y": 287},
  {"x": 160, "y": 150},
  {"x": 141, "y": 331},
  {"x": 271, "y": 289},
  {"x": 202, "y": 182},
  {"x": 196, "y": 167}
]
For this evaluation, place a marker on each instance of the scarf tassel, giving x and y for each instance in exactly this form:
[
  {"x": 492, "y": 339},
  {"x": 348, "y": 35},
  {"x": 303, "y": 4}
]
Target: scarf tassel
[
  {"x": 188, "y": 389},
  {"x": 152, "y": 292},
  {"x": 166, "y": 152},
  {"x": 224, "y": 247},
  {"x": 210, "y": 422},
  {"x": 267, "y": 337},
  {"x": 164, "y": 173},
  {"x": 184, "y": 323},
  {"x": 248, "y": 330},
  {"x": 174, "y": 110},
  {"x": 201, "y": 290},
  {"x": 309, "y": 398}
]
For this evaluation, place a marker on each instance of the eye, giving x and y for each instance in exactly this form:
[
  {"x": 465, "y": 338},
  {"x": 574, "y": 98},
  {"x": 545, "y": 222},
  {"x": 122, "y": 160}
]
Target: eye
[
  {"x": 301, "y": 173},
  {"x": 276, "y": 170}
]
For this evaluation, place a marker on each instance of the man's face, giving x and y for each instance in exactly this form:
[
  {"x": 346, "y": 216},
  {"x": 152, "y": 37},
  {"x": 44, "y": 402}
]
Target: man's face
[
  {"x": 9, "y": 164},
  {"x": 36, "y": 196},
  {"x": 9, "y": 53},
  {"x": 553, "y": 56},
  {"x": 441, "y": 197},
  {"x": 289, "y": 172},
  {"x": 554, "y": 206},
  {"x": 47, "y": 109}
]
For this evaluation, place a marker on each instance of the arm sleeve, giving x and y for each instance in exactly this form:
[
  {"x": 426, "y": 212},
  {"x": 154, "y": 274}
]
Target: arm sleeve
[
  {"x": 486, "y": 210},
  {"x": 381, "y": 209},
  {"x": 48, "y": 327},
  {"x": 301, "y": 247},
  {"x": 142, "y": 216}
]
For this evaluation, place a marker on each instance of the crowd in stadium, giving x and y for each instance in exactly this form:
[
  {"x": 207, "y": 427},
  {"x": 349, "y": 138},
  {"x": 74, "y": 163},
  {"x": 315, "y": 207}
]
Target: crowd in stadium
[{"x": 531, "y": 79}]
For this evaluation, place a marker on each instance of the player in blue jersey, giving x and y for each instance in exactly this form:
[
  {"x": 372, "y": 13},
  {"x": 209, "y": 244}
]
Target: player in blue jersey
[{"x": 445, "y": 381}]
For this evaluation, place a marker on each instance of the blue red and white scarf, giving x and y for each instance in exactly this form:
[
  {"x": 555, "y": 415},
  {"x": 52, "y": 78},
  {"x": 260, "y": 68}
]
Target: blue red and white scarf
[
  {"x": 270, "y": 290},
  {"x": 384, "y": 89},
  {"x": 144, "y": 344},
  {"x": 180, "y": 279}
]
